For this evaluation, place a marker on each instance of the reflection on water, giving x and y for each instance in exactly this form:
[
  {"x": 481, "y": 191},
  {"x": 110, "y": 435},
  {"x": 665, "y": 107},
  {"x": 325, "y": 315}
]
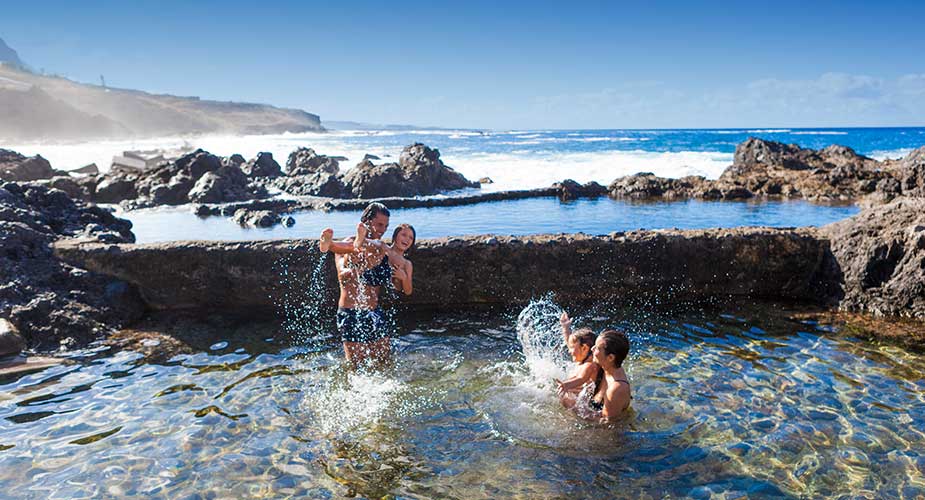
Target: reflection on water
[
  {"x": 517, "y": 217},
  {"x": 766, "y": 408}
]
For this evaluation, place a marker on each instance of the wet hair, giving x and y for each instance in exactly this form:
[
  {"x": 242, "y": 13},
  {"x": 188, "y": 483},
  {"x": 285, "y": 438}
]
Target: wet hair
[
  {"x": 414, "y": 234},
  {"x": 585, "y": 336},
  {"x": 616, "y": 343},
  {"x": 372, "y": 210}
]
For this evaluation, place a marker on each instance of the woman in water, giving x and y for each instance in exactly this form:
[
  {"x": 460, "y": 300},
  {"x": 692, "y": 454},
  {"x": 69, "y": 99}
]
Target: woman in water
[
  {"x": 579, "y": 344},
  {"x": 363, "y": 267},
  {"x": 610, "y": 396}
]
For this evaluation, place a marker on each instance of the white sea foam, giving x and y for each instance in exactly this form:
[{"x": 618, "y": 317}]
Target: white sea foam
[
  {"x": 819, "y": 132},
  {"x": 520, "y": 168},
  {"x": 526, "y": 170},
  {"x": 890, "y": 154}
]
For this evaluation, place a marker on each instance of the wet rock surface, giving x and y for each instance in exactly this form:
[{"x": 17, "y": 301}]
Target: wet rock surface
[
  {"x": 419, "y": 172},
  {"x": 880, "y": 255},
  {"x": 47, "y": 300}
]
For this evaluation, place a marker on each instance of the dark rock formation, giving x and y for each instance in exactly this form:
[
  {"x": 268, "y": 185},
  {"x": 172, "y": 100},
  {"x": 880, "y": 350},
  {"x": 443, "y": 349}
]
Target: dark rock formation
[
  {"x": 673, "y": 265},
  {"x": 419, "y": 171},
  {"x": 196, "y": 177},
  {"x": 572, "y": 190},
  {"x": 11, "y": 342},
  {"x": 46, "y": 299},
  {"x": 304, "y": 161},
  {"x": 773, "y": 169},
  {"x": 19, "y": 168},
  {"x": 228, "y": 183},
  {"x": 880, "y": 257},
  {"x": 317, "y": 184},
  {"x": 256, "y": 218},
  {"x": 262, "y": 166}
]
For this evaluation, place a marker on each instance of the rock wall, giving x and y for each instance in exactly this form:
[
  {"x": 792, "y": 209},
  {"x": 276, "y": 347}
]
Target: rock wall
[
  {"x": 880, "y": 257},
  {"x": 637, "y": 266}
]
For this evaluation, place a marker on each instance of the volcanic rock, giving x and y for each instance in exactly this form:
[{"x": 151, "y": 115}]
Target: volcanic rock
[
  {"x": 262, "y": 166},
  {"x": 16, "y": 167},
  {"x": 880, "y": 258},
  {"x": 304, "y": 161},
  {"x": 256, "y": 218},
  {"x": 419, "y": 171},
  {"x": 46, "y": 299}
]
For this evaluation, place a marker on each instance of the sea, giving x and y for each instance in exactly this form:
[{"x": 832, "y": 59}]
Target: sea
[{"x": 513, "y": 159}]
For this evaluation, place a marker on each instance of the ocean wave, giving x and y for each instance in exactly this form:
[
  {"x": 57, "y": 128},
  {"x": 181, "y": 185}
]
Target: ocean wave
[
  {"x": 529, "y": 170},
  {"x": 890, "y": 154},
  {"x": 819, "y": 132}
]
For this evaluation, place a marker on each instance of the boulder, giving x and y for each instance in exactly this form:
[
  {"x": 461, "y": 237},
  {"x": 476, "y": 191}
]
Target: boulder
[
  {"x": 262, "y": 166},
  {"x": 223, "y": 185},
  {"x": 11, "y": 342},
  {"x": 419, "y": 172},
  {"x": 304, "y": 161},
  {"x": 235, "y": 159},
  {"x": 19, "y": 168},
  {"x": 256, "y": 218},
  {"x": 115, "y": 188},
  {"x": 572, "y": 190},
  {"x": 90, "y": 169},
  {"x": 317, "y": 184},
  {"x": 879, "y": 258}
]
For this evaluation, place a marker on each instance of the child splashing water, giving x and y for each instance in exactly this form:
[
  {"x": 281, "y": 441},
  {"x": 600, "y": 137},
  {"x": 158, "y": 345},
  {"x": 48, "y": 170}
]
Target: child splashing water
[
  {"x": 598, "y": 388},
  {"x": 579, "y": 343}
]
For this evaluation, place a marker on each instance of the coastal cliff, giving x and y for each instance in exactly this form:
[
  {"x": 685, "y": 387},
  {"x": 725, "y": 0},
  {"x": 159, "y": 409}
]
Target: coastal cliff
[{"x": 41, "y": 107}]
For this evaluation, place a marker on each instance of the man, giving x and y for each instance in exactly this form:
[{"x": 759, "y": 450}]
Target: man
[{"x": 360, "y": 322}]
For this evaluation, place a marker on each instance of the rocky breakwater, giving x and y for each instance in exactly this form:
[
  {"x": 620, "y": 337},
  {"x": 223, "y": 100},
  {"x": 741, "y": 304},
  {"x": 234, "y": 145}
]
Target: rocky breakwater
[
  {"x": 665, "y": 266},
  {"x": 49, "y": 301},
  {"x": 772, "y": 169}
]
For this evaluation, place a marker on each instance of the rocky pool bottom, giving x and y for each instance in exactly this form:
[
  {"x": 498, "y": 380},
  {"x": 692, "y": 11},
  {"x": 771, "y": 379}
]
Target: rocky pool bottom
[{"x": 746, "y": 401}]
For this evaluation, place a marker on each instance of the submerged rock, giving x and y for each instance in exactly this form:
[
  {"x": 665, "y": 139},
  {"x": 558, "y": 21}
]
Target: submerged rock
[{"x": 255, "y": 218}]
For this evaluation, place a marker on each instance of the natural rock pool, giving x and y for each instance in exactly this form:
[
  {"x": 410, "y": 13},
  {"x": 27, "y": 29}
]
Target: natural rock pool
[
  {"x": 517, "y": 217},
  {"x": 749, "y": 401}
]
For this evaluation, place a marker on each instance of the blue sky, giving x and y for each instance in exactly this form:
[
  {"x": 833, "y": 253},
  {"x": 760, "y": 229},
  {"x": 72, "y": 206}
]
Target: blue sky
[{"x": 500, "y": 65}]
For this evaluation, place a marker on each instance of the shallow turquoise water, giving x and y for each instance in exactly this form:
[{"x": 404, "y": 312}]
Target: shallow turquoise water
[
  {"x": 518, "y": 217},
  {"x": 745, "y": 403}
]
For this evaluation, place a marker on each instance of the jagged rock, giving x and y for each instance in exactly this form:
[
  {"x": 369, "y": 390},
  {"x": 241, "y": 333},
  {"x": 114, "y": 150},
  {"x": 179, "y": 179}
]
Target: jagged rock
[
  {"x": 880, "y": 257},
  {"x": 317, "y": 184},
  {"x": 223, "y": 185},
  {"x": 262, "y": 166},
  {"x": 16, "y": 167},
  {"x": 773, "y": 168},
  {"x": 486, "y": 180},
  {"x": 90, "y": 169},
  {"x": 256, "y": 218},
  {"x": 368, "y": 156},
  {"x": 115, "y": 188},
  {"x": 44, "y": 298},
  {"x": 235, "y": 159},
  {"x": 572, "y": 190},
  {"x": 419, "y": 171},
  {"x": 304, "y": 161}
]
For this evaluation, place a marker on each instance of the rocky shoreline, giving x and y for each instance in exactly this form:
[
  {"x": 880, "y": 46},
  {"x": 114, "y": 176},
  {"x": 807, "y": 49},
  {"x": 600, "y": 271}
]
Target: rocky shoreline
[{"x": 72, "y": 273}]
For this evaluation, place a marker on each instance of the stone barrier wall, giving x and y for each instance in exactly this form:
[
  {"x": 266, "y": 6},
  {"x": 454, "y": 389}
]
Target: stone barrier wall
[{"x": 789, "y": 264}]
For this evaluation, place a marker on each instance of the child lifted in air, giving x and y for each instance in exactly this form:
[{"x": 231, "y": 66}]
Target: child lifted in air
[{"x": 579, "y": 343}]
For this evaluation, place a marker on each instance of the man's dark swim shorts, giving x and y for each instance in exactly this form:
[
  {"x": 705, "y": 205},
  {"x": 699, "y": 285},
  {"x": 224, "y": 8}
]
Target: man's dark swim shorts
[{"x": 357, "y": 325}]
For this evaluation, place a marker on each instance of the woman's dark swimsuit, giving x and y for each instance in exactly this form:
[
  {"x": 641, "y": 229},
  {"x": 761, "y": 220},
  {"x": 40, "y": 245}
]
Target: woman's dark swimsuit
[
  {"x": 378, "y": 275},
  {"x": 360, "y": 325},
  {"x": 599, "y": 405}
]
